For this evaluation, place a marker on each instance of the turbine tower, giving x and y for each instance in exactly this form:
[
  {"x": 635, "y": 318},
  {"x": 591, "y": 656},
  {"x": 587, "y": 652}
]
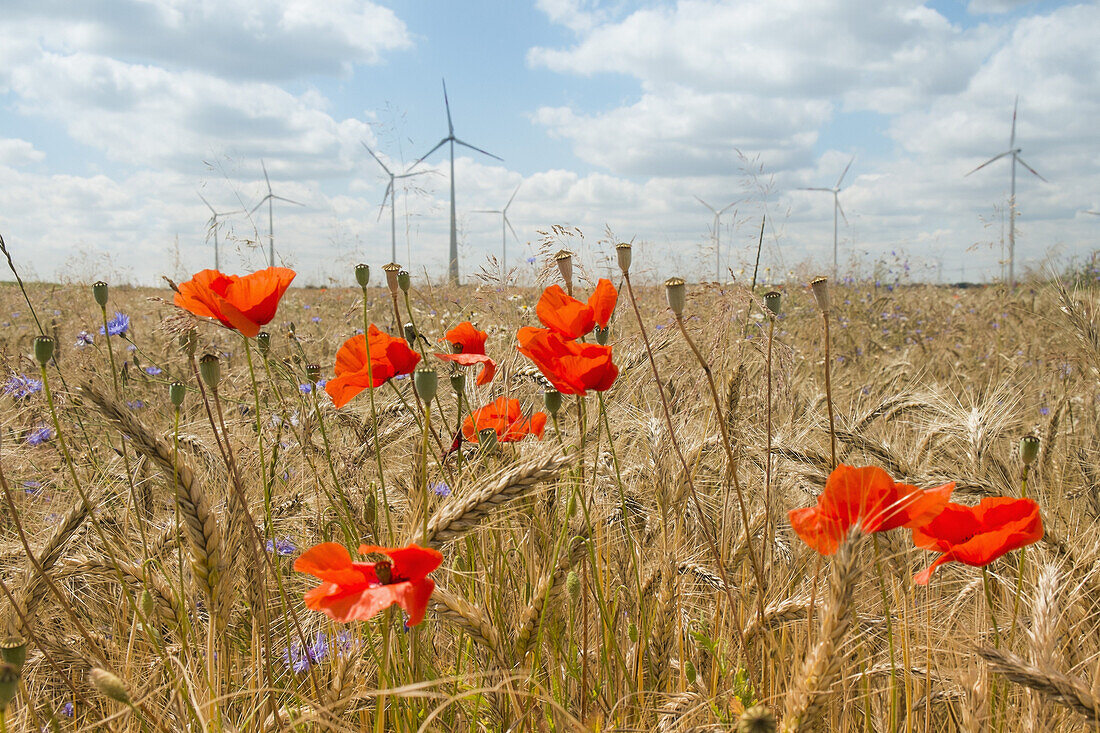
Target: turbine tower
[
  {"x": 391, "y": 193},
  {"x": 503, "y": 234},
  {"x": 835, "y": 191},
  {"x": 452, "y": 267},
  {"x": 212, "y": 228},
  {"x": 269, "y": 198},
  {"x": 717, "y": 244},
  {"x": 1015, "y": 153}
]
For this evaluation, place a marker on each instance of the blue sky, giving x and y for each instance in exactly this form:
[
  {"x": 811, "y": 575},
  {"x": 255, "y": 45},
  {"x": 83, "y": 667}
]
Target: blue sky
[{"x": 607, "y": 114}]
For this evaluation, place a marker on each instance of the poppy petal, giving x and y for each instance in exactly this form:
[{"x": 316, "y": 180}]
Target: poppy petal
[
  {"x": 564, "y": 314},
  {"x": 330, "y": 562},
  {"x": 409, "y": 563},
  {"x": 602, "y": 302},
  {"x": 413, "y": 597}
]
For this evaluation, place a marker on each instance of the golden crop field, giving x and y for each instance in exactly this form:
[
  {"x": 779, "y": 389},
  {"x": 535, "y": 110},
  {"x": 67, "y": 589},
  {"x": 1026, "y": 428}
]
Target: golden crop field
[{"x": 634, "y": 569}]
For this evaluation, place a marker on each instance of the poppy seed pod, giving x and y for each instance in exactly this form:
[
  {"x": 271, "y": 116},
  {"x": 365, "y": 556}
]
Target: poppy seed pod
[
  {"x": 1029, "y": 449},
  {"x": 9, "y": 684},
  {"x": 427, "y": 383},
  {"x": 676, "y": 292},
  {"x": 313, "y": 373},
  {"x": 757, "y": 719},
  {"x": 43, "y": 349},
  {"x": 13, "y": 650},
  {"x": 820, "y": 286},
  {"x": 690, "y": 672},
  {"x": 391, "y": 271},
  {"x": 176, "y": 392},
  {"x": 564, "y": 258},
  {"x": 410, "y": 334},
  {"x": 210, "y": 370},
  {"x": 109, "y": 685},
  {"x": 622, "y": 252},
  {"x": 487, "y": 438},
  {"x": 100, "y": 292},
  {"x": 362, "y": 275},
  {"x": 263, "y": 342},
  {"x": 403, "y": 281},
  {"x": 552, "y": 399},
  {"x": 602, "y": 334},
  {"x": 458, "y": 383},
  {"x": 773, "y": 301}
]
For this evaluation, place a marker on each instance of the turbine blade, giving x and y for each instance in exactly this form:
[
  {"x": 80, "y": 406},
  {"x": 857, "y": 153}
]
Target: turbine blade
[
  {"x": 841, "y": 209},
  {"x": 853, "y": 160},
  {"x": 382, "y": 206},
  {"x": 486, "y": 211},
  {"x": 511, "y": 228},
  {"x": 1094, "y": 213},
  {"x": 425, "y": 155},
  {"x": 208, "y": 205},
  {"x": 1012, "y": 138},
  {"x": 264, "y": 166},
  {"x": 513, "y": 198},
  {"x": 262, "y": 202},
  {"x": 474, "y": 147},
  {"x": 816, "y": 189},
  {"x": 289, "y": 201},
  {"x": 376, "y": 158},
  {"x": 1033, "y": 171},
  {"x": 995, "y": 157},
  {"x": 447, "y": 104},
  {"x": 734, "y": 203},
  {"x": 704, "y": 203}
]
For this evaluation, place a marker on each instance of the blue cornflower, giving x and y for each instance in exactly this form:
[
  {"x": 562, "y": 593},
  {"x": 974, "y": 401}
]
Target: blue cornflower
[
  {"x": 67, "y": 710},
  {"x": 32, "y": 487},
  {"x": 530, "y": 260},
  {"x": 307, "y": 387},
  {"x": 282, "y": 546},
  {"x": 153, "y": 371},
  {"x": 84, "y": 339},
  {"x": 117, "y": 326},
  {"x": 316, "y": 319},
  {"x": 440, "y": 488},
  {"x": 299, "y": 660},
  {"x": 38, "y": 436},
  {"x": 135, "y": 404},
  {"x": 1044, "y": 411},
  {"x": 20, "y": 386}
]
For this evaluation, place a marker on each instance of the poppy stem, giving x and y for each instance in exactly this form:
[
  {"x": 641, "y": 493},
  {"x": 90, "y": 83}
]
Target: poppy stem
[
  {"x": 992, "y": 611},
  {"x": 1019, "y": 569},
  {"x": 888, "y": 613},
  {"x": 423, "y": 458},
  {"x": 268, "y": 529},
  {"x": 829, "y": 390},
  {"x": 768, "y": 452}
]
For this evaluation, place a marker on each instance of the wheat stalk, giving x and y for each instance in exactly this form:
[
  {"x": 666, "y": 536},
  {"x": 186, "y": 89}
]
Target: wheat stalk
[{"x": 1062, "y": 689}]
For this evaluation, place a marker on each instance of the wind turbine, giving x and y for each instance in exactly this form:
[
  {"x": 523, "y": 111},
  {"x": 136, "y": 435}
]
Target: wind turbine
[
  {"x": 835, "y": 191},
  {"x": 212, "y": 226},
  {"x": 1015, "y": 153},
  {"x": 391, "y": 193},
  {"x": 452, "y": 266},
  {"x": 503, "y": 223},
  {"x": 269, "y": 198},
  {"x": 717, "y": 245}
]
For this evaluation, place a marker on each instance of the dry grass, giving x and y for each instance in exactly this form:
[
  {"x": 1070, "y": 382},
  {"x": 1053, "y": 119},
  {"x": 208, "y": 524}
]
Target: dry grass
[{"x": 578, "y": 590}]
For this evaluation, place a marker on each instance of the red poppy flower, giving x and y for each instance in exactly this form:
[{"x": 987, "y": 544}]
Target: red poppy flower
[
  {"x": 979, "y": 535},
  {"x": 506, "y": 418},
  {"x": 569, "y": 317},
  {"x": 389, "y": 357},
  {"x": 470, "y": 343},
  {"x": 571, "y": 367},
  {"x": 869, "y": 498},
  {"x": 243, "y": 303},
  {"x": 355, "y": 591}
]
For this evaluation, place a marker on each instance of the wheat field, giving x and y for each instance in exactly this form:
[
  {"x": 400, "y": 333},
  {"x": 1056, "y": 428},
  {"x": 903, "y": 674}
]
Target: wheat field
[{"x": 633, "y": 570}]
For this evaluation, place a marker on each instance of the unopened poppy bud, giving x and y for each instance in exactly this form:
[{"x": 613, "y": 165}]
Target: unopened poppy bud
[
  {"x": 487, "y": 437},
  {"x": 403, "y": 281},
  {"x": 622, "y": 252},
  {"x": 773, "y": 301},
  {"x": 313, "y": 373},
  {"x": 99, "y": 292},
  {"x": 757, "y": 719},
  {"x": 43, "y": 349},
  {"x": 690, "y": 673},
  {"x": 189, "y": 342},
  {"x": 552, "y": 399},
  {"x": 458, "y": 382},
  {"x": 391, "y": 271},
  {"x": 427, "y": 382},
  {"x": 362, "y": 275},
  {"x": 632, "y": 632},
  {"x": 1029, "y": 449},
  {"x": 291, "y": 328},
  {"x": 109, "y": 685},
  {"x": 176, "y": 392},
  {"x": 210, "y": 370},
  {"x": 573, "y": 585},
  {"x": 676, "y": 292},
  {"x": 410, "y": 334},
  {"x": 13, "y": 650},
  {"x": 263, "y": 342},
  {"x": 9, "y": 684},
  {"x": 820, "y": 286},
  {"x": 564, "y": 258},
  {"x": 602, "y": 334}
]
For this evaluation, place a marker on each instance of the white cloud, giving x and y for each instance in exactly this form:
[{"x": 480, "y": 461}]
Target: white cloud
[{"x": 15, "y": 152}]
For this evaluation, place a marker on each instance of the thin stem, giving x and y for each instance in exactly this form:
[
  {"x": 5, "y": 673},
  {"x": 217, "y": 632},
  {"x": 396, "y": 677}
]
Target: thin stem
[
  {"x": 886, "y": 609},
  {"x": 829, "y": 391}
]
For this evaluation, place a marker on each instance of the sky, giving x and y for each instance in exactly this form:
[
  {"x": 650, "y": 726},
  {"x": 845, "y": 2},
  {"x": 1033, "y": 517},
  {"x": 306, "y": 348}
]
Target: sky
[{"x": 612, "y": 119}]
